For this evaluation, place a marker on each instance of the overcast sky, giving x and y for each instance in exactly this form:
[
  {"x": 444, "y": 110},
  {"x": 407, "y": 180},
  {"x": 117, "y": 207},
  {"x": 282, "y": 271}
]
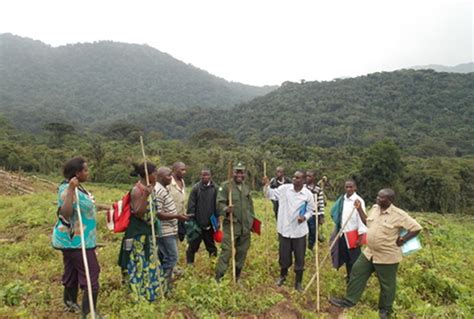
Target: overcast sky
[{"x": 263, "y": 42}]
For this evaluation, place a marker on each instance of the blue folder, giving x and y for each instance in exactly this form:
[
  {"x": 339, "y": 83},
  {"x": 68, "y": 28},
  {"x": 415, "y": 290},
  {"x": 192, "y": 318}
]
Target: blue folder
[
  {"x": 411, "y": 246},
  {"x": 214, "y": 222}
]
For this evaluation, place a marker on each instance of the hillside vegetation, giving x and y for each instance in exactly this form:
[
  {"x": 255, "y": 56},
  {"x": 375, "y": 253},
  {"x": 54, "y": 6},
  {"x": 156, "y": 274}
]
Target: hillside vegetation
[
  {"x": 442, "y": 184},
  {"x": 436, "y": 282},
  {"x": 425, "y": 112},
  {"x": 107, "y": 85},
  {"x": 91, "y": 83}
]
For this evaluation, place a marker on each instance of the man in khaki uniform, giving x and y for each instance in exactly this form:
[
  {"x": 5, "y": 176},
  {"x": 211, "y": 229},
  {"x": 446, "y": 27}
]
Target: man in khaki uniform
[
  {"x": 383, "y": 253},
  {"x": 177, "y": 189},
  {"x": 243, "y": 214}
]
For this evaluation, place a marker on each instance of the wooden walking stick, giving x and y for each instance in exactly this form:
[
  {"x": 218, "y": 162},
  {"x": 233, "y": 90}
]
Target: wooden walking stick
[
  {"x": 264, "y": 168},
  {"x": 264, "y": 195},
  {"x": 152, "y": 219},
  {"x": 231, "y": 219},
  {"x": 265, "y": 210},
  {"x": 330, "y": 247},
  {"x": 316, "y": 251},
  {"x": 316, "y": 260},
  {"x": 84, "y": 256}
]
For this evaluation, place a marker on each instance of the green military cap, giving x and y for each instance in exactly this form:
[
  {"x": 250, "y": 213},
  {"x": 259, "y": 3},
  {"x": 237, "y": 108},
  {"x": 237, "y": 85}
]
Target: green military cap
[{"x": 239, "y": 167}]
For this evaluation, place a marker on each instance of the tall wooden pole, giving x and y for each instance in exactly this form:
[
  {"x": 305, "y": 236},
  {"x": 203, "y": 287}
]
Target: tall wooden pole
[
  {"x": 316, "y": 260},
  {"x": 84, "y": 257},
  {"x": 152, "y": 219},
  {"x": 330, "y": 247},
  {"x": 231, "y": 219}
]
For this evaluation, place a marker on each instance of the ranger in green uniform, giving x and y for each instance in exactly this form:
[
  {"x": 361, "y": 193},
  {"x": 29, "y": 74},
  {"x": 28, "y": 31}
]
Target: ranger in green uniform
[{"x": 243, "y": 214}]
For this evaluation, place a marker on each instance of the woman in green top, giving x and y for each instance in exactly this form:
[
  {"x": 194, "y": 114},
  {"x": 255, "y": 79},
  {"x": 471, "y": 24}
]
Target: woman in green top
[
  {"x": 136, "y": 253},
  {"x": 67, "y": 235}
]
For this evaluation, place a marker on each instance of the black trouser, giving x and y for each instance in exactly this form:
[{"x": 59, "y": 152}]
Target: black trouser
[
  {"x": 313, "y": 231},
  {"x": 288, "y": 247},
  {"x": 207, "y": 237},
  {"x": 348, "y": 256},
  {"x": 275, "y": 208}
]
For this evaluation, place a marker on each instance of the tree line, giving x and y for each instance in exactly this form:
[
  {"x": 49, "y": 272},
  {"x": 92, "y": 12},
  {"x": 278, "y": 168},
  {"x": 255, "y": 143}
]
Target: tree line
[{"x": 436, "y": 184}]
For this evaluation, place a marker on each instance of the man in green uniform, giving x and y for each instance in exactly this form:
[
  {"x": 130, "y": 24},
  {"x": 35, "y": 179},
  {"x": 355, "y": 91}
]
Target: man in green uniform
[{"x": 242, "y": 213}]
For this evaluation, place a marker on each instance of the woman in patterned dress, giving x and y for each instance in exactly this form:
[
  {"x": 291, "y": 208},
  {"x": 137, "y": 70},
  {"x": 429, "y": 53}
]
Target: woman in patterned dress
[{"x": 136, "y": 253}]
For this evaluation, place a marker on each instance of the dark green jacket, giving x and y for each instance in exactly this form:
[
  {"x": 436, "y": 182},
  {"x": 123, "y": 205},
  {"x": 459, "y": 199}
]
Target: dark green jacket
[{"x": 243, "y": 205}]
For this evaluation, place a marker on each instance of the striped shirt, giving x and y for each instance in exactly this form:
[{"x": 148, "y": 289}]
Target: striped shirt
[
  {"x": 318, "y": 197},
  {"x": 165, "y": 204}
]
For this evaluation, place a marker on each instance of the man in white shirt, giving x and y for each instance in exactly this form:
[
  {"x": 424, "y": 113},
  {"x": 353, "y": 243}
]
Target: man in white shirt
[
  {"x": 348, "y": 210},
  {"x": 296, "y": 205},
  {"x": 275, "y": 182}
]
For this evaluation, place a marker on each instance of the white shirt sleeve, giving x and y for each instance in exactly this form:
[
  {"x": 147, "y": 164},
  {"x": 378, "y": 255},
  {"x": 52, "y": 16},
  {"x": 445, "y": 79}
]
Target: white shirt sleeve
[
  {"x": 272, "y": 193},
  {"x": 310, "y": 208},
  {"x": 362, "y": 229}
]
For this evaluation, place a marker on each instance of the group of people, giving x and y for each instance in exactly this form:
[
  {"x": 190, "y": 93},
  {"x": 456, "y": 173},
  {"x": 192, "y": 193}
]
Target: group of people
[{"x": 158, "y": 203}]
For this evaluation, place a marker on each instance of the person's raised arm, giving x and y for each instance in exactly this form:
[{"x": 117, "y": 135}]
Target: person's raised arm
[
  {"x": 360, "y": 210},
  {"x": 66, "y": 209}
]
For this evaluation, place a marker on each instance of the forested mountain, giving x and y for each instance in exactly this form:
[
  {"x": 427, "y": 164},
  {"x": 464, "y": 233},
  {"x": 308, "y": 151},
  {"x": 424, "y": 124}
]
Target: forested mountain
[
  {"x": 460, "y": 68},
  {"x": 88, "y": 83},
  {"x": 425, "y": 112},
  {"x": 119, "y": 88}
]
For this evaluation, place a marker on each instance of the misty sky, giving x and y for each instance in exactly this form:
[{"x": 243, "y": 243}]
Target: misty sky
[{"x": 263, "y": 42}]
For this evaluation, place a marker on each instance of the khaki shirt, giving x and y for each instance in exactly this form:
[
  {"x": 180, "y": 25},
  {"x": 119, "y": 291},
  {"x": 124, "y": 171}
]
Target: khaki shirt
[
  {"x": 179, "y": 196},
  {"x": 383, "y": 229}
]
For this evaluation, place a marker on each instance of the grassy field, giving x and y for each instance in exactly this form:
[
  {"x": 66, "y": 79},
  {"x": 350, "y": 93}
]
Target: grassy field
[{"x": 436, "y": 282}]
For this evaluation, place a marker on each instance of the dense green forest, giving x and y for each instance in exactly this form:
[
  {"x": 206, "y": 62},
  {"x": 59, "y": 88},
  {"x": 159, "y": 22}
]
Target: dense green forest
[
  {"x": 117, "y": 88},
  {"x": 439, "y": 184},
  {"x": 90, "y": 83},
  {"x": 410, "y": 130},
  {"x": 425, "y": 112}
]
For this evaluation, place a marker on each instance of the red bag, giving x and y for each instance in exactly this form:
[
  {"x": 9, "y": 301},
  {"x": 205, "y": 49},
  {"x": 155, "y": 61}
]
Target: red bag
[
  {"x": 118, "y": 216},
  {"x": 218, "y": 236},
  {"x": 352, "y": 237},
  {"x": 256, "y": 226}
]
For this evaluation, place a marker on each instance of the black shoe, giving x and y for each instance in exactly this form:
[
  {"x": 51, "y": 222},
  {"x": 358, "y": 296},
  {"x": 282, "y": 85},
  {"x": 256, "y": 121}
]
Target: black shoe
[
  {"x": 168, "y": 275},
  {"x": 384, "y": 314},
  {"x": 70, "y": 299},
  {"x": 298, "y": 286},
  {"x": 298, "y": 280},
  {"x": 218, "y": 277},
  {"x": 341, "y": 302},
  {"x": 72, "y": 307},
  {"x": 280, "y": 281},
  {"x": 238, "y": 271},
  {"x": 85, "y": 304}
]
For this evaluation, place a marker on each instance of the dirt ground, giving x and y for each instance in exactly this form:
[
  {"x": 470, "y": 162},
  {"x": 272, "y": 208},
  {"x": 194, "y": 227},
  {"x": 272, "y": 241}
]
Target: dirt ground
[{"x": 17, "y": 183}]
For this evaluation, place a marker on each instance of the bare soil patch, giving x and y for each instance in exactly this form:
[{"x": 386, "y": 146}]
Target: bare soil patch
[{"x": 17, "y": 183}]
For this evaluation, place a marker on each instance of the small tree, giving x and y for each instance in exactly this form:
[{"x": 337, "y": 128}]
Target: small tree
[
  {"x": 381, "y": 167},
  {"x": 58, "y": 132}
]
